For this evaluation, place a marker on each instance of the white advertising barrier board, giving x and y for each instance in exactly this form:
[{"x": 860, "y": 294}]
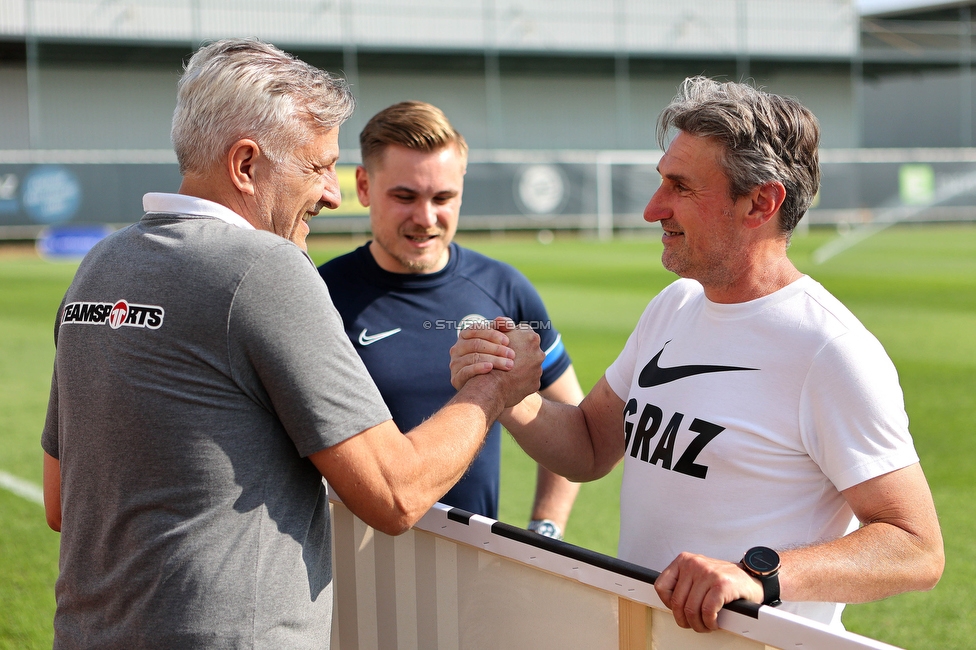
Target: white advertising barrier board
[{"x": 466, "y": 582}]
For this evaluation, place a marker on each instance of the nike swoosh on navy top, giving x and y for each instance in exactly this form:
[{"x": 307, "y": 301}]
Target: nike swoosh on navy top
[
  {"x": 655, "y": 375},
  {"x": 369, "y": 339}
]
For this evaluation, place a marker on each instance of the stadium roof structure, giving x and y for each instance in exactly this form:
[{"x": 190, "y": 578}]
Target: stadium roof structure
[
  {"x": 905, "y": 8},
  {"x": 918, "y": 32}
]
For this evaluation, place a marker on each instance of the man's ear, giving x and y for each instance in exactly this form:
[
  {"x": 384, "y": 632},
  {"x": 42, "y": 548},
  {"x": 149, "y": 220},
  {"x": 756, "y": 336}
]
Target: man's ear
[
  {"x": 242, "y": 161},
  {"x": 766, "y": 201},
  {"x": 362, "y": 185}
]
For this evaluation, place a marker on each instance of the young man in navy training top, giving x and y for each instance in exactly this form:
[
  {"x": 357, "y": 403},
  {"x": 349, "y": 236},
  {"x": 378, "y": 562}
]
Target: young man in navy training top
[{"x": 404, "y": 295}]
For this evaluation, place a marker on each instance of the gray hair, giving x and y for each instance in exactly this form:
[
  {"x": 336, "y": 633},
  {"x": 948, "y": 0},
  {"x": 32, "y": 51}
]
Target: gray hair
[
  {"x": 766, "y": 138},
  {"x": 244, "y": 88}
]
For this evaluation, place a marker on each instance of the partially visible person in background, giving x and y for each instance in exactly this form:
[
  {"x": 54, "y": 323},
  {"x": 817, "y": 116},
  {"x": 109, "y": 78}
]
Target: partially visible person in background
[{"x": 404, "y": 295}]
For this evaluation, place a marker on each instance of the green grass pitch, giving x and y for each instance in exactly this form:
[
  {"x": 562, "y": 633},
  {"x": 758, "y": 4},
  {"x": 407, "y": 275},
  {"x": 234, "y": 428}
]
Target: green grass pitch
[{"x": 914, "y": 287}]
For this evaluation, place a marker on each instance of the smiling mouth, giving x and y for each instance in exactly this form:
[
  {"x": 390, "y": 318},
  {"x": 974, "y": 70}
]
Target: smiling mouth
[
  {"x": 314, "y": 212},
  {"x": 669, "y": 231}
]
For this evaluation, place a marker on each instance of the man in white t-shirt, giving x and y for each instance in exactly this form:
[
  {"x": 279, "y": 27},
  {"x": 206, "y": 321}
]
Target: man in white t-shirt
[{"x": 763, "y": 431}]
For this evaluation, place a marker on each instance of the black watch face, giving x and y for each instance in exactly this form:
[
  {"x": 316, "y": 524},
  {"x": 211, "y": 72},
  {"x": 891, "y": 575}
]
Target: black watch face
[{"x": 762, "y": 560}]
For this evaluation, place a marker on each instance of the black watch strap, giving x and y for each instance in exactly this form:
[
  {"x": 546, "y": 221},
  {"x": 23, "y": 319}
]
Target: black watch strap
[
  {"x": 770, "y": 586},
  {"x": 762, "y": 563}
]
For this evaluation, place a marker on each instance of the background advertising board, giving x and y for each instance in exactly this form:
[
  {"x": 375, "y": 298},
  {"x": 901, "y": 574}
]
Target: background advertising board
[{"x": 511, "y": 190}]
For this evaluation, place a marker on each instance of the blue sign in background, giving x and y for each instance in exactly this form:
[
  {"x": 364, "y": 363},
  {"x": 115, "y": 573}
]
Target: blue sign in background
[
  {"x": 43, "y": 195},
  {"x": 51, "y": 194},
  {"x": 70, "y": 242}
]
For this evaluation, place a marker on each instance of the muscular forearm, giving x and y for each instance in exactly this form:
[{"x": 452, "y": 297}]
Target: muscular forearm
[
  {"x": 581, "y": 443},
  {"x": 536, "y": 424},
  {"x": 439, "y": 451},
  {"x": 563, "y": 438},
  {"x": 389, "y": 480},
  {"x": 898, "y": 549},
  {"x": 877, "y": 561}
]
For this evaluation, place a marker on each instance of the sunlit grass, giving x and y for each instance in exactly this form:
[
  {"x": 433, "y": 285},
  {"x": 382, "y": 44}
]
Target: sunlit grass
[{"x": 915, "y": 288}]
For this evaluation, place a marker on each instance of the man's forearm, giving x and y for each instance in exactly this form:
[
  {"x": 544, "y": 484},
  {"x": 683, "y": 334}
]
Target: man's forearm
[
  {"x": 554, "y": 497},
  {"x": 552, "y": 434},
  {"x": 571, "y": 441},
  {"x": 389, "y": 480},
  {"x": 582, "y": 443},
  {"x": 899, "y": 548},
  {"x": 874, "y": 562},
  {"x": 443, "y": 446}
]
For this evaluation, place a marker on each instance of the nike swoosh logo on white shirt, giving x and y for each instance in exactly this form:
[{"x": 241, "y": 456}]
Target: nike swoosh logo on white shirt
[
  {"x": 369, "y": 339},
  {"x": 654, "y": 375}
]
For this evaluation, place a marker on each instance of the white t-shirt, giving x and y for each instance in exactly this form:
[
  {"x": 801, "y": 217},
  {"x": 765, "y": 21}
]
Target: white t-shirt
[{"x": 745, "y": 421}]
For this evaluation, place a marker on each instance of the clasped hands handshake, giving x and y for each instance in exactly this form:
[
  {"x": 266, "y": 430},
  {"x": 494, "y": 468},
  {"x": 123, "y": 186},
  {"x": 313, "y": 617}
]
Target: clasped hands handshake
[{"x": 508, "y": 353}]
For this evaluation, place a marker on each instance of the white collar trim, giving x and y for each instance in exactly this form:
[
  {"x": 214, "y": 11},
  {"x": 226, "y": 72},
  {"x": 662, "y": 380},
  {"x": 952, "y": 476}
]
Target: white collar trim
[{"x": 183, "y": 204}]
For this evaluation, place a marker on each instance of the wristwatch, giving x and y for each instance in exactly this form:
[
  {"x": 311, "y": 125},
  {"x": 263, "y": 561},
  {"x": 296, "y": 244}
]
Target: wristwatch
[
  {"x": 762, "y": 563},
  {"x": 546, "y": 528}
]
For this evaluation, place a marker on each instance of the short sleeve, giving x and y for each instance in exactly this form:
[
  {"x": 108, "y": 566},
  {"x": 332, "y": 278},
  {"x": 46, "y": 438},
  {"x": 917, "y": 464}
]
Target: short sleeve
[
  {"x": 49, "y": 435},
  {"x": 286, "y": 336},
  {"x": 852, "y": 412},
  {"x": 621, "y": 372}
]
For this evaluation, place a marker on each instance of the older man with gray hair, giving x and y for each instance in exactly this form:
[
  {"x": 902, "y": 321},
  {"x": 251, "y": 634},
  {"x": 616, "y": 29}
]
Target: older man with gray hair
[
  {"x": 765, "y": 443},
  {"x": 203, "y": 387}
]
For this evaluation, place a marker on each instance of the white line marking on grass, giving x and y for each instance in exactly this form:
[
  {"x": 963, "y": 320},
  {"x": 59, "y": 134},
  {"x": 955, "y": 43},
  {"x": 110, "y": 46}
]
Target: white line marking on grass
[
  {"x": 949, "y": 187},
  {"x": 848, "y": 240},
  {"x": 22, "y": 488}
]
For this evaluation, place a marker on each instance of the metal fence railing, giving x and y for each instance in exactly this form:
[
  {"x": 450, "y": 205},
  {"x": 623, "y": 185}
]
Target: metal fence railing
[{"x": 599, "y": 191}]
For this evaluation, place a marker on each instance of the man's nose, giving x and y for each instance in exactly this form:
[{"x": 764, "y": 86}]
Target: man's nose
[
  {"x": 331, "y": 197},
  {"x": 655, "y": 209},
  {"x": 425, "y": 214}
]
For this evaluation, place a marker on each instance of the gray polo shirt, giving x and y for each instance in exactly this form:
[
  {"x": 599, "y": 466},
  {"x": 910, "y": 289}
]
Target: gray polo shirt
[{"x": 198, "y": 364}]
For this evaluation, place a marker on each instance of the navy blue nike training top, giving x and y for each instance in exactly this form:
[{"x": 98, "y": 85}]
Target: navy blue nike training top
[{"x": 403, "y": 326}]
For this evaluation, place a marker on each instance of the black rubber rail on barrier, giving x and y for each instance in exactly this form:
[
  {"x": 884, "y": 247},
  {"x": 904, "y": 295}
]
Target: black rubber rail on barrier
[{"x": 587, "y": 556}]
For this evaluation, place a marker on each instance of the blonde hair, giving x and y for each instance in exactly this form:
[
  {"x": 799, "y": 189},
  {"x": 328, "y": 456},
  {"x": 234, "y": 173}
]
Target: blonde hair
[{"x": 414, "y": 125}]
